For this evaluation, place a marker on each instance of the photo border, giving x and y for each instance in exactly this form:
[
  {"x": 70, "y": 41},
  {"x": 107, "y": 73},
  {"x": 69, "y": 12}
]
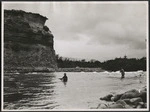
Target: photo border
[{"x": 2, "y": 61}]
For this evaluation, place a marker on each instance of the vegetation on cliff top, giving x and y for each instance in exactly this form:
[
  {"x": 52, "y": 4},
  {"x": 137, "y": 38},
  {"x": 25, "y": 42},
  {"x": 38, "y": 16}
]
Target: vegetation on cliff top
[{"x": 21, "y": 12}]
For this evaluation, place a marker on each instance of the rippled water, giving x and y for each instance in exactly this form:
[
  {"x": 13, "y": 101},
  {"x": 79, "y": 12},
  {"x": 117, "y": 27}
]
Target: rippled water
[{"x": 34, "y": 91}]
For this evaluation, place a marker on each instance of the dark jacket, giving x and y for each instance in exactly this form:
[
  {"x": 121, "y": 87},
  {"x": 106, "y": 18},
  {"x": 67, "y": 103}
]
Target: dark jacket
[{"x": 65, "y": 78}]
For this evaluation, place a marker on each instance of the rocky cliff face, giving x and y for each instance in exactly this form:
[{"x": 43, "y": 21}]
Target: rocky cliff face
[{"x": 28, "y": 44}]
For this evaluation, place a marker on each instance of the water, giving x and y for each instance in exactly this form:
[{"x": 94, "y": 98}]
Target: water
[{"x": 33, "y": 91}]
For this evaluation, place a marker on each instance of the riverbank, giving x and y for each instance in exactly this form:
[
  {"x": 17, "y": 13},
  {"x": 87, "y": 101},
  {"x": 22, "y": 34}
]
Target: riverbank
[
  {"x": 28, "y": 69},
  {"x": 45, "y": 69},
  {"x": 52, "y": 69},
  {"x": 78, "y": 69},
  {"x": 128, "y": 100}
]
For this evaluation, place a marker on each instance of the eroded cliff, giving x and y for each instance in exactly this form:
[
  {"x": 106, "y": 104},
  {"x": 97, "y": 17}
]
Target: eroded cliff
[{"x": 28, "y": 43}]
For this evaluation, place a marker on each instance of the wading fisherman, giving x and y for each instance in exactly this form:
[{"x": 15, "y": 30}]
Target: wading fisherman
[
  {"x": 64, "y": 78},
  {"x": 122, "y": 73}
]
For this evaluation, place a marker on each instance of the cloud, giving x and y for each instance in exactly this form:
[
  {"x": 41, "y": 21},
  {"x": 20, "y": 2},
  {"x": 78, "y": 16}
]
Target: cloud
[
  {"x": 85, "y": 29},
  {"x": 102, "y": 23}
]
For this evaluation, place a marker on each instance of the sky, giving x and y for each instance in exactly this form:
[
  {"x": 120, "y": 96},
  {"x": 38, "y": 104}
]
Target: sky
[{"x": 94, "y": 30}]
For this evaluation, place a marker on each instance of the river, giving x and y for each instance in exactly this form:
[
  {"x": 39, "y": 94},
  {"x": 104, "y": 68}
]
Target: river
[{"x": 33, "y": 91}]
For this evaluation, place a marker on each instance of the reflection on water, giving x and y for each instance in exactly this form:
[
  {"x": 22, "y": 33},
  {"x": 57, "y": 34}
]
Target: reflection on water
[
  {"x": 65, "y": 83},
  {"x": 47, "y": 91},
  {"x": 28, "y": 90}
]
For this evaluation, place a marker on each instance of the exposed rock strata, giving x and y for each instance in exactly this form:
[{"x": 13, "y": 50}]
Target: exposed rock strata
[{"x": 28, "y": 43}]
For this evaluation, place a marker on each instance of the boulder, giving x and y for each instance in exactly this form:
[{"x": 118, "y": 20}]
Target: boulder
[
  {"x": 128, "y": 107},
  {"x": 143, "y": 95},
  {"x": 141, "y": 103},
  {"x": 102, "y": 106},
  {"x": 116, "y": 105},
  {"x": 130, "y": 94},
  {"x": 116, "y": 97},
  {"x": 127, "y": 101},
  {"x": 123, "y": 103},
  {"x": 130, "y": 99},
  {"x": 107, "y": 98},
  {"x": 145, "y": 105},
  {"x": 135, "y": 101},
  {"x": 139, "y": 106},
  {"x": 144, "y": 89}
]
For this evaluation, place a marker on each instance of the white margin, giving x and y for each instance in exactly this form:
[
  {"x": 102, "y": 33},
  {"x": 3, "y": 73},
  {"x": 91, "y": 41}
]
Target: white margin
[
  {"x": 2, "y": 55},
  {"x": 147, "y": 34},
  {"x": 100, "y": 2}
]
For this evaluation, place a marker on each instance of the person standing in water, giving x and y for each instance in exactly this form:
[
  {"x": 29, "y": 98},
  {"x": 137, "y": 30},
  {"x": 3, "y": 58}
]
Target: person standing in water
[
  {"x": 64, "y": 78},
  {"x": 122, "y": 73}
]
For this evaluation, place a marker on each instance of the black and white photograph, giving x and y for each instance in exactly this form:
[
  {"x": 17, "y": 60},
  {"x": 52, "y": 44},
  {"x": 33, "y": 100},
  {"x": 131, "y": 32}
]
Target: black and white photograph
[{"x": 74, "y": 56}]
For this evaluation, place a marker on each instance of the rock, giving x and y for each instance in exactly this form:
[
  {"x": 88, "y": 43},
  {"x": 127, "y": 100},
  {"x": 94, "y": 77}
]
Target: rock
[
  {"x": 127, "y": 101},
  {"x": 144, "y": 89},
  {"x": 139, "y": 106},
  {"x": 135, "y": 101},
  {"x": 116, "y": 105},
  {"x": 130, "y": 94},
  {"x": 112, "y": 98},
  {"x": 116, "y": 97},
  {"x": 27, "y": 42},
  {"x": 143, "y": 95},
  {"x": 141, "y": 103},
  {"x": 107, "y": 98},
  {"x": 123, "y": 103},
  {"x": 102, "y": 106},
  {"x": 145, "y": 105},
  {"x": 128, "y": 107}
]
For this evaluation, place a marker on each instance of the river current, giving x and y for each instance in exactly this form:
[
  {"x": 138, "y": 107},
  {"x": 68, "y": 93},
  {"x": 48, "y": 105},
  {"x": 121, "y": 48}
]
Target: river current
[{"x": 33, "y": 91}]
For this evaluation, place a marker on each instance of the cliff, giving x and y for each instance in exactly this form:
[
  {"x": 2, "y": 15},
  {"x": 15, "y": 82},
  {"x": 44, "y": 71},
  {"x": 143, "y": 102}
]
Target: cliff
[{"x": 28, "y": 43}]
